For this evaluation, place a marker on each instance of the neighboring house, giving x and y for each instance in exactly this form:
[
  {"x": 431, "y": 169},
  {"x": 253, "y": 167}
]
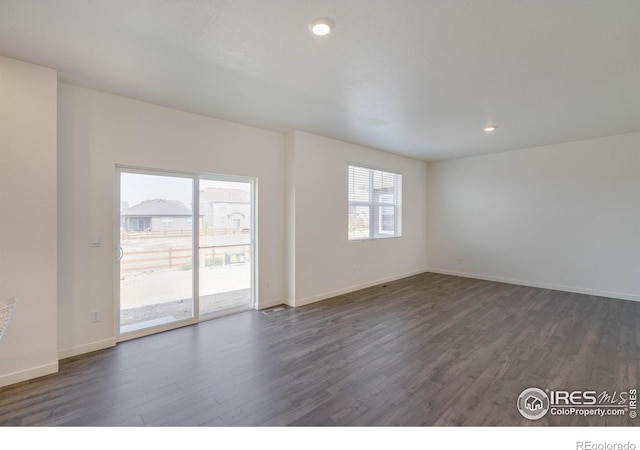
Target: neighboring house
[
  {"x": 157, "y": 215},
  {"x": 225, "y": 210}
]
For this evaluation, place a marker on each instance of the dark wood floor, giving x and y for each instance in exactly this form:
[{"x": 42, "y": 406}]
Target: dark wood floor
[{"x": 427, "y": 350}]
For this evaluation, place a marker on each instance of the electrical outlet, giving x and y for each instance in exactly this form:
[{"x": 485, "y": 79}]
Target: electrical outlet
[{"x": 95, "y": 316}]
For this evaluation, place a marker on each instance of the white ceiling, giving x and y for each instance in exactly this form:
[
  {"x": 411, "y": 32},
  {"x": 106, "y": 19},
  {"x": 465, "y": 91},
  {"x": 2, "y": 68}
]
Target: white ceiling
[{"x": 415, "y": 77}]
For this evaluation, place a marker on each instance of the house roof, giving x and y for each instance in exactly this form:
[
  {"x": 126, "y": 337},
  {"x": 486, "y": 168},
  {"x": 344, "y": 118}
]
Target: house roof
[{"x": 158, "y": 207}]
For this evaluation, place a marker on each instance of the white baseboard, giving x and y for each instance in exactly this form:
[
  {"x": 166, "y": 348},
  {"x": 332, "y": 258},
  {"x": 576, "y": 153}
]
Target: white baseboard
[
  {"x": 555, "y": 287},
  {"x": 265, "y": 304},
  {"x": 86, "y": 348},
  {"x": 320, "y": 297},
  {"x": 24, "y": 375}
]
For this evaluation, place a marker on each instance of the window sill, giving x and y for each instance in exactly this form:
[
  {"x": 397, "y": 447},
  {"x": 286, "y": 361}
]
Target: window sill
[{"x": 373, "y": 239}]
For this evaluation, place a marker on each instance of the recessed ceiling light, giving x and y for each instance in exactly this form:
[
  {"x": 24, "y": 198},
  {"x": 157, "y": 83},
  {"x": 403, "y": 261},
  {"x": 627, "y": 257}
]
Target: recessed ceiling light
[
  {"x": 321, "y": 27},
  {"x": 490, "y": 129}
]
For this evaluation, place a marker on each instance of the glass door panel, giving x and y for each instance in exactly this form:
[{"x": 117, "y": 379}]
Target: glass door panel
[
  {"x": 156, "y": 250},
  {"x": 225, "y": 245}
]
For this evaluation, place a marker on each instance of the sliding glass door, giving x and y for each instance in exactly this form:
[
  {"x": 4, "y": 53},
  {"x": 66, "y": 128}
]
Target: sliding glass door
[{"x": 163, "y": 282}]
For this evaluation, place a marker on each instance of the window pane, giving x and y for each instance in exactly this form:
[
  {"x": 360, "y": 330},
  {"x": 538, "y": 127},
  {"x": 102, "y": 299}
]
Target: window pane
[
  {"x": 225, "y": 245},
  {"x": 387, "y": 220},
  {"x": 156, "y": 265},
  {"x": 358, "y": 222},
  {"x": 359, "y": 184}
]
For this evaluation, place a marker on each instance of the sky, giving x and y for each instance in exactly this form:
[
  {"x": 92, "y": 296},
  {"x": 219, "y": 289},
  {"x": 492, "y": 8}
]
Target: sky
[{"x": 135, "y": 187}]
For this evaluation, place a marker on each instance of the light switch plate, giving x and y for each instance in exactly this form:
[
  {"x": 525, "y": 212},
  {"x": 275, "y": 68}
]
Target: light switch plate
[{"x": 96, "y": 241}]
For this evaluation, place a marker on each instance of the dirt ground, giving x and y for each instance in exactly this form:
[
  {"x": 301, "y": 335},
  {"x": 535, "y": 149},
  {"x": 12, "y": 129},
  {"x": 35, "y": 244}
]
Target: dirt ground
[
  {"x": 182, "y": 309},
  {"x": 167, "y": 294}
]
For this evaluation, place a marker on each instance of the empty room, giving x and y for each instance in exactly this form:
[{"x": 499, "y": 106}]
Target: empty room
[{"x": 313, "y": 214}]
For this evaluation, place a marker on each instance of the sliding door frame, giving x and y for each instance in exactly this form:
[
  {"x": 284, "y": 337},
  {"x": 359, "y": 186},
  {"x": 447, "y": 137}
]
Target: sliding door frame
[{"x": 195, "y": 242}]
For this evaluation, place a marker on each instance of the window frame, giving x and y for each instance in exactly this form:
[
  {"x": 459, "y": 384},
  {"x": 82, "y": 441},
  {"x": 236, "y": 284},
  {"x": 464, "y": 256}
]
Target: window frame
[{"x": 376, "y": 206}]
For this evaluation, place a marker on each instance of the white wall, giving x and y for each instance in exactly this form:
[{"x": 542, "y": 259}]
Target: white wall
[
  {"x": 98, "y": 131},
  {"x": 28, "y": 220},
  {"x": 562, "y": 216},
  {"x": 321, "y": 260}
]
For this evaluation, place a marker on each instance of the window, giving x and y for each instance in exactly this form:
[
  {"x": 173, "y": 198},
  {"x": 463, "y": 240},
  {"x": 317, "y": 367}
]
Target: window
[
  {"x": 167, "y": 221},
  {"x": 375, "y": 203},
  {"x": 138, "y": 224}
]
